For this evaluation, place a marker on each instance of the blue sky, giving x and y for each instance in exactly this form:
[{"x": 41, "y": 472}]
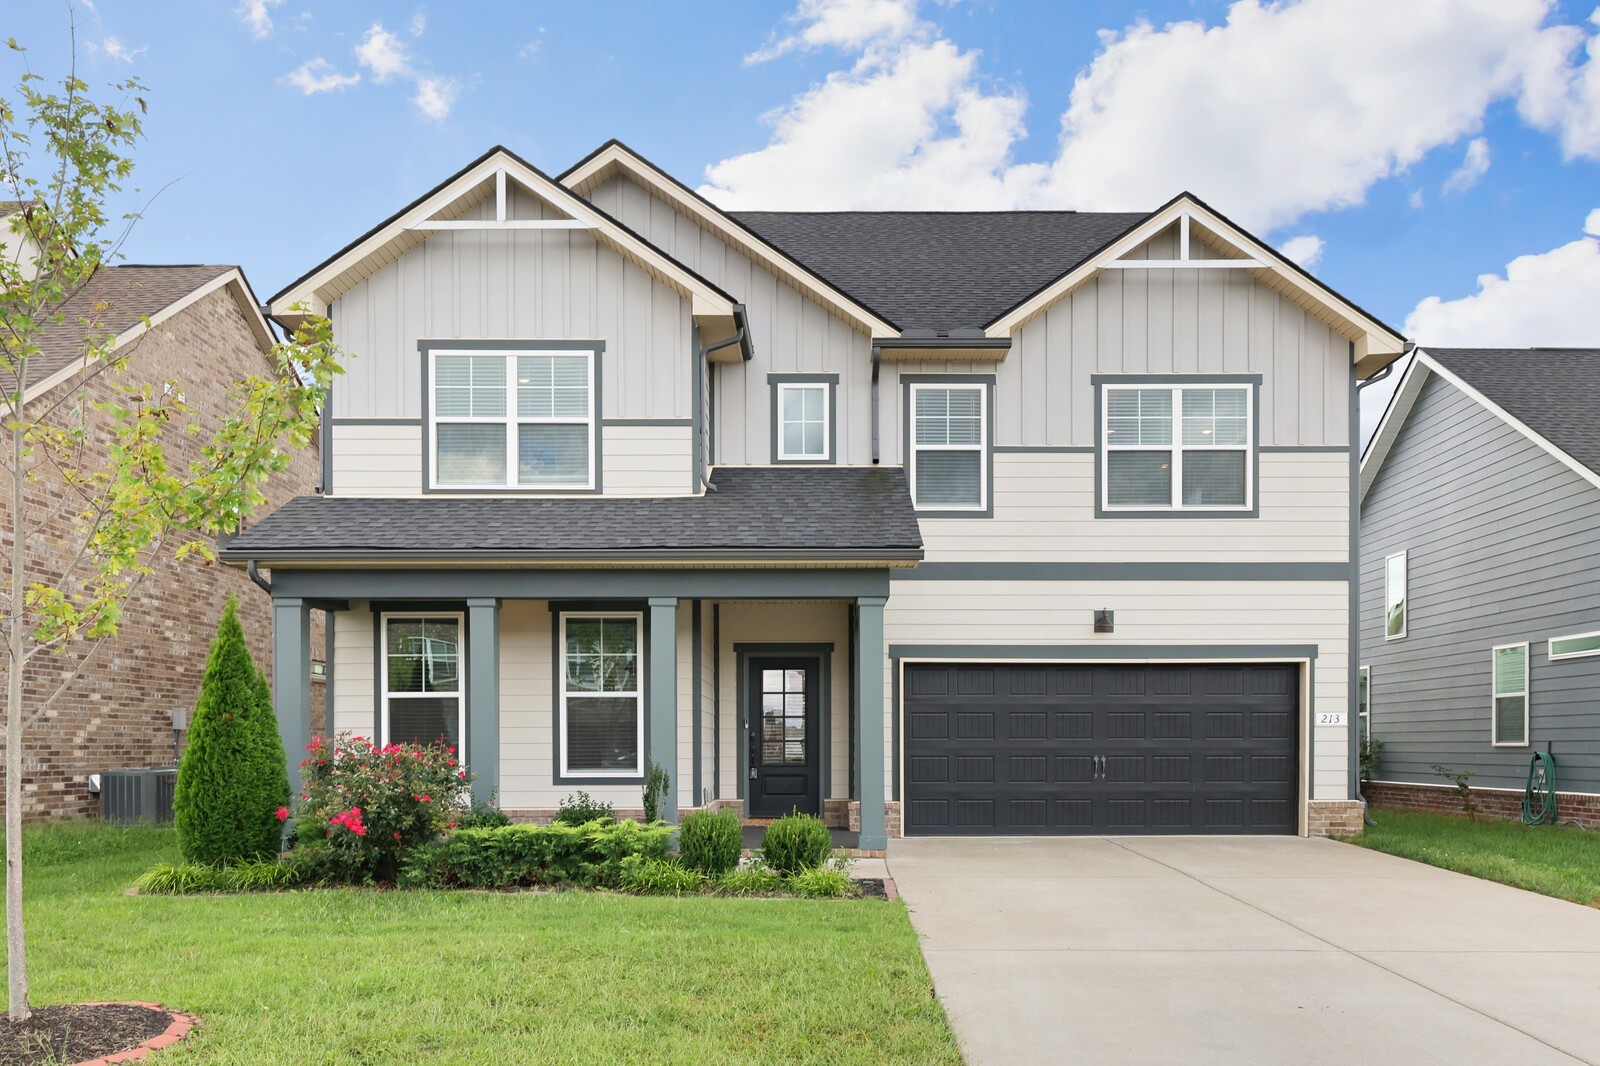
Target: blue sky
[{"x": 1411, "y": 148}]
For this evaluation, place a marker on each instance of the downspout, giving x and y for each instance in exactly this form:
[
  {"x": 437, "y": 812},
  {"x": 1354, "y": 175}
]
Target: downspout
[
  {"x": 741, "y": 338},
  {"x": 255, "y": 575},
  {"x": 877, "y": 359}
]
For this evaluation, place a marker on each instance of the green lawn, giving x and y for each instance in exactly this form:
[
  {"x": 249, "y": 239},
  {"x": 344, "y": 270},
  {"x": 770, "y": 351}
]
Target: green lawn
[
  {"x": 379, "y": 977},
  {"x": 1557, "y": 860}
]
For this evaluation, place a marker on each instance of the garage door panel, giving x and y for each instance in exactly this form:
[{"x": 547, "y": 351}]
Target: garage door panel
[{"x": 1112, "y": 748}]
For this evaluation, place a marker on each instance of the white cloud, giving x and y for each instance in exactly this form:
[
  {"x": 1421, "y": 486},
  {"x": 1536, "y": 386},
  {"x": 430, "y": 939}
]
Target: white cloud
[
  {"x": 113, "y": 48},
  {"x": 849, "y": 24},
  {"x": 435, "y": 96},
  {"x": 1417, "y": 199},
  {"x": 1563, "y": 96},
  {"x": 257, "y": 15},
  {"x": 1544, "y": 299},
  {"x": 419, "y": 23},
  {"x": 318, "y": 76},
  {"x": 384, "y": 54},
  {"x": 1281, "y": 110},
  {"x": 1305, "y": 249},
  {"x": 1474, "y": 165}
]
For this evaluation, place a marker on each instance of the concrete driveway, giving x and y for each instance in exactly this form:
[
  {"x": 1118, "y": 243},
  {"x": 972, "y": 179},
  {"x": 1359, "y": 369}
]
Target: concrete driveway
[{"x": 1230, "y": 950}]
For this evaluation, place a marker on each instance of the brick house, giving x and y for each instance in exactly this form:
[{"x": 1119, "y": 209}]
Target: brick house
[{"x": 195, "y": 330}]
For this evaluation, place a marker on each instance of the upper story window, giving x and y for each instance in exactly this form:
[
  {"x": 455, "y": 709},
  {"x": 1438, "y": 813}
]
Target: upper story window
[
  {"x": 522, "y": 419},
  {"x": 803, "y": 417},
  {"x": 949, "y": 444},
  {"x": 1394, "y": 596},
  {"x": 1177, "y": 447}
]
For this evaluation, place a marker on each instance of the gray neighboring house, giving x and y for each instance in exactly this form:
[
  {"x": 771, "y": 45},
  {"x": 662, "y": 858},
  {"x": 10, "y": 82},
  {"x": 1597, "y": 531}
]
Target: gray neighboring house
[
  {"x": 928, "y": 522},
  {"x": 1480, "y": 577}
]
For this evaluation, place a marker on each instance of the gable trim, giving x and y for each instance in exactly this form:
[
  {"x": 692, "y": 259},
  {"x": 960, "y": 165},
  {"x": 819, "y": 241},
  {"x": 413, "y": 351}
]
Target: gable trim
[
  {"x": 706, "y": 298},
  {"x": 233, "y": 279},
  {"x": 1389, "y": 426},
  {"x": 1374, "y": 339},
  {"x": 613, "y": 154}
]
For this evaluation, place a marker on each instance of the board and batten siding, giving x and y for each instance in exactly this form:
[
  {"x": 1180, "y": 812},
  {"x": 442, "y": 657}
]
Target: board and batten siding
[
  {"x": 1503, "y": 546},
  {"x": 1167, "y": 613}
]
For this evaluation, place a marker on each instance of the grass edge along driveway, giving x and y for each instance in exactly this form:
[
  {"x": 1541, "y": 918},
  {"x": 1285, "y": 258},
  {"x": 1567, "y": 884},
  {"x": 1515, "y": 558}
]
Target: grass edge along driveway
[
  {"x": 327, "y": 976},
  {"x": 1555, "y": 860}
]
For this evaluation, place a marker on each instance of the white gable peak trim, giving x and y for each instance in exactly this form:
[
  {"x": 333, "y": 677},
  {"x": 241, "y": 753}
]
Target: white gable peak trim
[
  {"x": 1389, "y": 426},
  {"x": 614, "y": 156}
]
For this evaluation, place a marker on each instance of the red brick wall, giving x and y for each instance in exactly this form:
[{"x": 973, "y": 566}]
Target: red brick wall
[
  {"x": 118, "y": 711},
  {"x": 1492, "y": 802}
]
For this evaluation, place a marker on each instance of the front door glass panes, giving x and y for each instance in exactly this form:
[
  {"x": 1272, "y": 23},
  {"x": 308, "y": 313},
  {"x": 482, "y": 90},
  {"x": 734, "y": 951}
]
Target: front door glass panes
[{"x": 783, "y": 717}]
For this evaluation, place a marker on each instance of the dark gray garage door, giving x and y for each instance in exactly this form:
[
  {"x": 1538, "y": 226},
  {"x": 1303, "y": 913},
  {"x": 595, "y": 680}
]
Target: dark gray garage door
[{"x": 1023, "y": 749}]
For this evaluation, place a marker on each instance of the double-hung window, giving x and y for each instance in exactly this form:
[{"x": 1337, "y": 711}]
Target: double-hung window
[
  {"x": 1510, "y": 667},
  {"x": 422, "y": 671},
  {"x": 602, "y": 695},
  {"x": 950, "y": 446},
  {"x": 512, "y": 419},
  {"x": 802, "y": 417},
  {"x": 1395, "y": 578},
  {"x": 1178, "y": 448}
]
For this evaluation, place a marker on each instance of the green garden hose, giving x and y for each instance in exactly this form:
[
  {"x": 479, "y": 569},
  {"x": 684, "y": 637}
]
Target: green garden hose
[{"x": 1539, "y": 797}]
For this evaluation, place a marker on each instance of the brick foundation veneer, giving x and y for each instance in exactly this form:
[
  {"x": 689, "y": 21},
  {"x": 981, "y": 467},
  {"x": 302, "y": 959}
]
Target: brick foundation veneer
[
  {"x": 118, "y": 712},
  {"x": 1492, "y": 802},
  {"x": 1333, "y": 818}
]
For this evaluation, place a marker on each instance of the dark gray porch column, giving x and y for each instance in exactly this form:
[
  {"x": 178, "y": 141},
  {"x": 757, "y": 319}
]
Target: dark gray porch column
[
  {"x": 867, "y": 744},
  {"x": 482, "y": 748},
  {"x": 662, "y": 696},
  {"x": 291, "y": 680}
]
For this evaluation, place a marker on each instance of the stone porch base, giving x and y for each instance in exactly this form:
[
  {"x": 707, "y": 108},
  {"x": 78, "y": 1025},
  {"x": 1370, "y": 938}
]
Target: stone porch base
[{"x": 1583, "y": 807}]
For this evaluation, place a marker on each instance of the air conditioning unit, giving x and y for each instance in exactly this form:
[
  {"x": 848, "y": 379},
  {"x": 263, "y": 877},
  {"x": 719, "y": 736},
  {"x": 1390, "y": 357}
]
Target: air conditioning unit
[{"x": 138, "y": 794}]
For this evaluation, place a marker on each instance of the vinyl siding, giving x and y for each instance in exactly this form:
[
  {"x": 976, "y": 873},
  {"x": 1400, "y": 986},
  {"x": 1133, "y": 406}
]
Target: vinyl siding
[
  {"x": 647, "y": 460},
  {"x": 1044, "y": 511},
  {"x": 354, "y": 700},
  {"x": 375, "y": 460},
  {"x": 1503, "y": 546},
  {"x": 1171, "y": 613}
]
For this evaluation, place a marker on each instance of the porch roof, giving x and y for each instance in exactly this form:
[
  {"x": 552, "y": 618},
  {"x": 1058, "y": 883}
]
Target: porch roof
[{"x": 757, "y": 513}]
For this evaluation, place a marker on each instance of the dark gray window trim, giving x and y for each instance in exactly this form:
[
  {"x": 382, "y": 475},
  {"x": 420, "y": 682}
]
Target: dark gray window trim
[
  {"x": 557, "y": 665},
  {"x": 906, "y": 420},
  {"x": 1150, "y": 571},
  {"x": 1088, "y": 653},
  {"x": 1099, "y": 381},
  {"x": 832, "y": 382},
  {"x": 598, "y": 347},
  {"x": 822, "y": 651}
]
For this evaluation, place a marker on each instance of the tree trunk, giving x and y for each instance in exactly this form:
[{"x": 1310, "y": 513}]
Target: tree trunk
[{"x": 16, "y": 951}]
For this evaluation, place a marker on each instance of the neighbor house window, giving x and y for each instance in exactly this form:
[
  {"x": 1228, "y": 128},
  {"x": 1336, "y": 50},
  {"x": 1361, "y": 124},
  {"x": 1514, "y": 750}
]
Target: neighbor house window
[
  {"x": 949, "y": 447},
  {"x": 602, "y": 695},
  {"x": 1577, "y": 646},
  {"x": 513, "y": 420},
  {"x": 1394, "y": 596},
  {"x": 802, "y": 414},
  {"x": 1364, "y": 702},
  {"x": 1178, "y": 447},
  {"x": 422, "y": 689},
  {"x": 1511, "y": 695}
]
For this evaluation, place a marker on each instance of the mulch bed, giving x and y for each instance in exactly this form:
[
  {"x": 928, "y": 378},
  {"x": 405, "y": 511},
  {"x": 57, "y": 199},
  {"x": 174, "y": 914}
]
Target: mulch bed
[
  {"x": 874, "y": 888},
  {"x": 89, "y": 1033}
]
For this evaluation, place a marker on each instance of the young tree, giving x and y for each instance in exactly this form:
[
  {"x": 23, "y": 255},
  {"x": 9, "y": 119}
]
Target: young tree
[
  {"x": 233, "y": 777},
  {"x": 104, "y": 448}
]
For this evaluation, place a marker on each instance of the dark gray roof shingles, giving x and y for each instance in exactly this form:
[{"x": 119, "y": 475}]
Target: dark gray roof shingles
[
  {"x": 1553, "y": 391},
  {"x": 939, "y": 270},
  {"x": 799, "y": 511}
]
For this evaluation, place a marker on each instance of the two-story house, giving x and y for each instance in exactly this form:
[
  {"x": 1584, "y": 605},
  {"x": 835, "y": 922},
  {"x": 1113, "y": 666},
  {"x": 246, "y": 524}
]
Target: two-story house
[{"x": 932, "y": 523}]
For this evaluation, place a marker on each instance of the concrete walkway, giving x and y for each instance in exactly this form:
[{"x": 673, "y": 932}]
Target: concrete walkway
[{"x": 1244, "y": 950}]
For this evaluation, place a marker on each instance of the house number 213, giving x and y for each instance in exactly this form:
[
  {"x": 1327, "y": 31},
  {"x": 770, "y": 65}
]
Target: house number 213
[{"x": 1331, "y": 718}]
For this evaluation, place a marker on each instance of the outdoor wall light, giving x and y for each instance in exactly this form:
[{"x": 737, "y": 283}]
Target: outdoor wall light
[{"x": 1105, "y": 620}]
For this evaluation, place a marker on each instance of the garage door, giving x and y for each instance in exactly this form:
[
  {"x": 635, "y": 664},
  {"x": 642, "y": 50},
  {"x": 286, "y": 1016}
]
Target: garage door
[{"x": 1025, "y": 749}]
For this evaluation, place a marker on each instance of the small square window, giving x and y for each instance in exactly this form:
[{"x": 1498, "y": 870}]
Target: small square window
[{"x": 803, "y": 421}]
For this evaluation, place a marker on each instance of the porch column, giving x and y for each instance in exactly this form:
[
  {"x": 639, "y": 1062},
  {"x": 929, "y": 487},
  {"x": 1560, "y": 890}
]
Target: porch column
[
  {"x": 482, "y": 747},
  {"x": 291, "y": 680},
  {"x": 867, "y": 745},
  {"x": 662, "y": 736}
]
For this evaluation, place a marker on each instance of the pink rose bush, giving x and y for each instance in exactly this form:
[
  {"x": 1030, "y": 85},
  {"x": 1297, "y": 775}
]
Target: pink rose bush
[{"x": 362, "y": 807}]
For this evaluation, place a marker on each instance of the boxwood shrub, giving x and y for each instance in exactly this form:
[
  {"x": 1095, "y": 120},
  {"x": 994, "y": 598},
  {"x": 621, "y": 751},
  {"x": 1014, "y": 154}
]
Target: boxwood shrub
[
  {"x": 513, "y": 856},
  {"x": 796, "y": 842},
  {"x": 711, "y": 843}
]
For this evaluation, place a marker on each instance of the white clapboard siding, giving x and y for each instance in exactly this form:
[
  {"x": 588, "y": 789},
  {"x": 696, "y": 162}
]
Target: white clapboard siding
[
  {"x": 376, "y": 460},
  {"x": 354, "y": 705},
  {"x": 647, "y": 460}
]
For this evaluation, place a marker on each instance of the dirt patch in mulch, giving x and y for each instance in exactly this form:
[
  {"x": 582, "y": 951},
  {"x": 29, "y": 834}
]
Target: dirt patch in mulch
[
  {"x": 871, "y": 888},
  {"x": 75, "y": 1032}
]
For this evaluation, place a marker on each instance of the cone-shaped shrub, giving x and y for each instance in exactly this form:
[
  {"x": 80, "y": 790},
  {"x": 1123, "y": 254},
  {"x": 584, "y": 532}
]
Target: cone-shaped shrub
[
  {"x": 272, "y": 742},
  {"x": 232, "y": 779}
]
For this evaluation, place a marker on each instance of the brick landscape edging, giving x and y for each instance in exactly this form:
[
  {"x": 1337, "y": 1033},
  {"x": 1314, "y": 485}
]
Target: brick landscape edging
[{"x": 180, "y": 1027}]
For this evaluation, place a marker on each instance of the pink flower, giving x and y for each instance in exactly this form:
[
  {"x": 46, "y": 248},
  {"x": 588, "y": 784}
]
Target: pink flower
[{"x": 283, "y": 814}]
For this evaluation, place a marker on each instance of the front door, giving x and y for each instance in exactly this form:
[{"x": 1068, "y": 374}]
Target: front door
[{"x": 785, "y": 749}]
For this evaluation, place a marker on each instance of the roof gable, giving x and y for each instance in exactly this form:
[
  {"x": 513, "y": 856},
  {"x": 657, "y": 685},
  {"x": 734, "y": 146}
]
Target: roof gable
[{"x": 443, "y": 206}]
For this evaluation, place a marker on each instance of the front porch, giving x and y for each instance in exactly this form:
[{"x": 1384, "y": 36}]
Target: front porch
[{"x": 757, "y": 690}]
